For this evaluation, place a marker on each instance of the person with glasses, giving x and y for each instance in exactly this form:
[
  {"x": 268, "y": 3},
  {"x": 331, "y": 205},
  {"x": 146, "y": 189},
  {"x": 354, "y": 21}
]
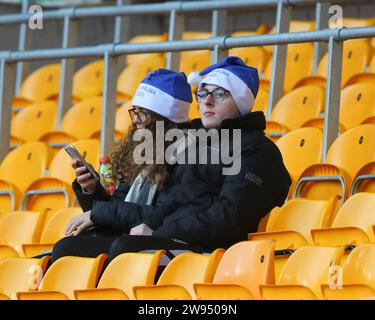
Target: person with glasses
[
  {"x": 209, "y": 209},
  {"x": 163, "y": 96}
]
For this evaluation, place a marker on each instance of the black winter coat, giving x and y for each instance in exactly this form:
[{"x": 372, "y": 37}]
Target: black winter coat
[{"x": 206, "y": 208}]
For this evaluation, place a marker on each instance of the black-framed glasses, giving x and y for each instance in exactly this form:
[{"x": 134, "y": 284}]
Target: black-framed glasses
[
  {"x": 142, "y": 114},
  {"x": 218, "y": 94}
]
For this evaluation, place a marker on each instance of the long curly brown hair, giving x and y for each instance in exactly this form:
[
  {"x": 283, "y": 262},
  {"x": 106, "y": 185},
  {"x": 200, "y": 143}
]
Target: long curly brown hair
[{"x": 123, "y": 165}]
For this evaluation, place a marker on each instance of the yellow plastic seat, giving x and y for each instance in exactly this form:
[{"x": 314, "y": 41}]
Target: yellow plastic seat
[
  {"x": 17, "y": 228},
  {"x": 298, "y": 106},
  {"x": 133, "y": 74},
  {"x": 347, "y": 154},
  {"x": 194, "y": 61},
  {"x": 255, "y": 57},
  {"x": 53, "y": 231},
  {"x": 123, "y": 120},
  {"x": 299, "y": 63},
  {"x": 88, "y": 80},
  {"x": 42, "y": 84},
  {"x": 358, "y": 276},
  {"x": 55, "y": 192},
  {"x": 133, "y": 58},
  {"x": 364, "y": 181},
  {"x": 243, "y": 268},
  {"x": 356, "y": 55},
  {"x": 300, "y": 149},
  {"x": 176, "y": 281},
  {"x": 261, "y": 101},
  {"x": 21, "y": 167},
  {"x": 66, "y": 275},
  {"x": 72, "y": 125},
  {"x": 122, "y": 274},
  {"x": 34, "y": 121},
  {"x": 352, "y": 225},
  {"x": 303, "y": 274},
  {"x": 357, "y": 104},
  {"x": 20, "y": 274},
  {"x": 364, "y": 77}
]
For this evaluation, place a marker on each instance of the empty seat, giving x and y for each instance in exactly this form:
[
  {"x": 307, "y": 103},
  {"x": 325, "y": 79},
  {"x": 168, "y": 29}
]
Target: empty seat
[
  {"x": 17, "y": 228},
  {"x": 133, "y": 58},
  {"x": 32, "y": 122},
  {"x": 194, "y": 61},
  {"x": 53, "y": 230},
  {"x": 243, "y": 268},
  {"x": 358, "y": 276},
  {"x": 364, "y": 181},
  {"x": 66, "y": 275},
  {"x": 364, "y": 77},
  {"x": 303, "y": 274},
  {"x": 300, "y": 149},
  {"x": 298, "y": 106},
  {"x": 121, "y": 275},
  {"x": 20, "y": 274},
  {"x": 177, "y": 279},
  {"x": 255, "y": 57},
  {"x": 54, "y": 191},
  {"x": 352, "y": 225},
  {"x": 346, "y": 156},
  {"x": 261, "y": 101},
  {"x": 19, "y": 169}
]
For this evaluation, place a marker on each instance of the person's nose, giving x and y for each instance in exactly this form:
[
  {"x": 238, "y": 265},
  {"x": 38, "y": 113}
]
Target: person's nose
[
  {"x": 209, "y": 101},
  {"x": 136, "y": 120}
]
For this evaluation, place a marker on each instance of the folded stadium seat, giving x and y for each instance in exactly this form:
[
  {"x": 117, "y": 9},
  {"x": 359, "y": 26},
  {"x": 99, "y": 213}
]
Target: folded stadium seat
[
  {"x": 369, "y": 120},
  {"x": 358, "y": 276},
  {"x": 42, "y": 84},
  {"x": 355, "y": 58},
  {"x": 299, "y": 63},
  {"x": 366, "y": 77},
  {"x": 194, "y": 110},
  {"x": 21, "y": 167},
  {"x": 80, "y": 122},
  {"x": 52, "y": 232},
  {"x": 66, "y": 275},
  {"x": 121, "y": 275},
  {"x": 243, "y": 268},
  {"x": 294, "y": 109},
  {"x": 34, "y": 121},
  {"x": 291, "y": 224},
  {"x": 255, "y": 57},
  {"x": 133, "y": 58},
  {"x": 194, "y": 61},
  {"x": 176, "y": 281},
  {"x": 352, "y": 225},
  {"x": 364, "y": 180},
  {"x": 303, "y": 274},
  {"x": 134, "y": 73},
  {"x": 17, "y": 228},
  {"x": 54, "y": 191},
  {"x": 261, "y": 101},
  {"x": 300, "y": 149},
  {"x": 347, "y": 154},
  {"x": 20, "y": 274},
  {"x": 88, "y": 80},
  {"x": 357, "y": 103}
]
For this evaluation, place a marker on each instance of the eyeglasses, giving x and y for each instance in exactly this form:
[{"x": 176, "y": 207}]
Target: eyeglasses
[
  {"x": 218, "y": 94},
  {"x": 142, "y": 115}
]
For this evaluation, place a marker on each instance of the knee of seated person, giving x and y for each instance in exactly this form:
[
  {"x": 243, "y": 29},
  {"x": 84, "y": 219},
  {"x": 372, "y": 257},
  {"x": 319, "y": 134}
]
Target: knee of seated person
[
  {"x": 63, "y": 248},
  {"x": 121, "y": 245}
]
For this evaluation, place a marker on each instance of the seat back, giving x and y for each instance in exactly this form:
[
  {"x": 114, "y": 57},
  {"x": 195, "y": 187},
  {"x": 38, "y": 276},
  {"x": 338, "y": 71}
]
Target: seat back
[
  {"x": 41, "y": 84},
  {"x": 17, "y": 228},
  {"x": 72, "y": 273},
  {"x": 88, "y": 80},
  {"x": 61, "y": 167},
  {"x": 300, "y": 149},
  {"x": 353, "y": 149},
  {"x": 131, "y": 269},
  {"x": 357, "y": 103},
  {"x": 20, "y": 274},
  {"x": 32, "y": 122},
  {"x": 84, "y": 118},
  {"x": 309, "y": 267},
  {"x": 254, "y": 56},
  {"x": 357, "y": 211},
  {"x": 189, "y": 268},
  {"x": 302, "y": 215},
  {"x": 123, "y": 120},
  {"x": 25, "y": 164},
  {"x": 261, "y": 101},
  {"x": 248, "y": 264},
  {"x": 298, "y": 106}
]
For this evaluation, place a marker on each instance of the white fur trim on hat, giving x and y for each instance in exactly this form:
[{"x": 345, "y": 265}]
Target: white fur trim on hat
[
  {"x": 156, "y": 100},
  {"x": 241, "y": 93},
  {"x": 194, "y": 78}
]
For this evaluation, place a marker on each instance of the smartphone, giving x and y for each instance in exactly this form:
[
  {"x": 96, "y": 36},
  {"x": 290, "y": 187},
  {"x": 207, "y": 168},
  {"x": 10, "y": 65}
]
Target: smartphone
[{"x": 75, "y": 155}]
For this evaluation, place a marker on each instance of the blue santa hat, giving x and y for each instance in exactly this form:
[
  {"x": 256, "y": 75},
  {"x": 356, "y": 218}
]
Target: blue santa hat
[
  {"x": 232, "y": 74},
  {"x": 166, "y": 93}
]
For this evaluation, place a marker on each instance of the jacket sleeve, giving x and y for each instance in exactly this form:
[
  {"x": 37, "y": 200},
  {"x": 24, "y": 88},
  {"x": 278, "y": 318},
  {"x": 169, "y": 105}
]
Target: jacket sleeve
[{"x": 262, "y": 183}]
